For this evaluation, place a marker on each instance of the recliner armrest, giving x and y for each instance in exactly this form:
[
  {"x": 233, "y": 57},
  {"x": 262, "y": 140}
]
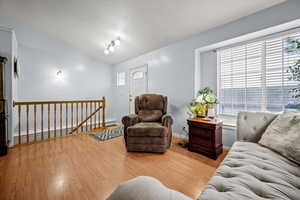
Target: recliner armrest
[
  {"x": 167, "y": 120},
  {"x": 130, "y": 120}
]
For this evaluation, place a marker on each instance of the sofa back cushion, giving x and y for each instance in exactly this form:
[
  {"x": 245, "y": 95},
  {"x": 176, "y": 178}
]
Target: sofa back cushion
[
  {"x": 283, "y": 135},
  {"x": 251, "y": 125}
]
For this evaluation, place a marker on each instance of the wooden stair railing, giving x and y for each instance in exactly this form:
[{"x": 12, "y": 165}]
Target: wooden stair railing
[{"x": 72, "y": 111}]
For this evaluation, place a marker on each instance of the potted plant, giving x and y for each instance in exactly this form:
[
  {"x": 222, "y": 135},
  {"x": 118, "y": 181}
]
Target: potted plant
[
  {"x": 294, "y": 75},
  {"x": 204, "y": 104}
]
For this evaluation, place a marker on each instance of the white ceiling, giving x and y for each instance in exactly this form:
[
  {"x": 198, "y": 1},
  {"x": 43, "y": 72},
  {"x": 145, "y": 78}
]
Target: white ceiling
[{"x": 143, "y": 25}]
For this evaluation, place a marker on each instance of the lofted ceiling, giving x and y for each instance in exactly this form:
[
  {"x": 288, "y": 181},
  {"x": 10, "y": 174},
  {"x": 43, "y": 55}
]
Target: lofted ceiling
[{"x": 143, "y": 25}]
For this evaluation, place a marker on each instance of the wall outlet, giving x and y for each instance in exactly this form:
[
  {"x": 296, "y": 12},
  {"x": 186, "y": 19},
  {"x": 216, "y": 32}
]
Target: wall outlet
[{"x": 184, "y": 129}]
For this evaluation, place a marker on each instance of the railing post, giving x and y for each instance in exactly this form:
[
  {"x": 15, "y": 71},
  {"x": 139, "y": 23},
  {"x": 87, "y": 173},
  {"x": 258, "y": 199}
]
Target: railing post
[{"x": 103, "y": 111}]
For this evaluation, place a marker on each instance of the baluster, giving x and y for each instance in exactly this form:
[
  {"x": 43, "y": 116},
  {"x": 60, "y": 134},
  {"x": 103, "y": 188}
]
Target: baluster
[
  {"x": 34, "y": 110},
  {"x": 60, "y": 118},
  {"x": 54, "y": 115},
  {"x": 86, "y": 115},
  {"x": 81, "y": 115},
  {"x": 91, "y": 122},
  {"x": 71, "y": 116},
  {"x": 103, "y": 111},
  {"x": 42, "y": 121},
  {"x": 77, "y": 117},
  {"x": 99, "y": 115},
  {"x": 27, "y": 123},
  {"x": 95, "y": 118},
  {"x": 19, "y": 110},
  {"x": 49, "y": 105},
  {"x": 66, "y": 118}
]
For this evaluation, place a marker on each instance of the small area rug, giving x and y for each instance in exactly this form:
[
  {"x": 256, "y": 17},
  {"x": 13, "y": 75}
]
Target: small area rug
[{"x": 108, "y": 134}]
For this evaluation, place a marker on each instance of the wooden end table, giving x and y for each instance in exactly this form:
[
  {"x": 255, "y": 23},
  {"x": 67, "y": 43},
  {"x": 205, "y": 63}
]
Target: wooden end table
[{"x": 205, "y": 137}]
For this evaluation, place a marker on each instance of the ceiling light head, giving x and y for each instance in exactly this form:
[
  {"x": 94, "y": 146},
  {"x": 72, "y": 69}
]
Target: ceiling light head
[
  {"x": 111, "y": 48},
  {"x": 117, "y": 42},
  {"x": 59, "y": 75},
  {"x": 106, "y": 51}
]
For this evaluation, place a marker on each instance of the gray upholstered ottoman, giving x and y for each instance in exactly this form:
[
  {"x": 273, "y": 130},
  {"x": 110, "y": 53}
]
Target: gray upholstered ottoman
[{"x": 145, "y": 188}]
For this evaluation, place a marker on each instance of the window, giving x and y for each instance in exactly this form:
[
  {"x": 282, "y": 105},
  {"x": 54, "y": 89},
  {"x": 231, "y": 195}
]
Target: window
[
  {"x": 253, "y": 76},
  {"x": 138, "y": 75},
  {"x": 121, "y": 78}
]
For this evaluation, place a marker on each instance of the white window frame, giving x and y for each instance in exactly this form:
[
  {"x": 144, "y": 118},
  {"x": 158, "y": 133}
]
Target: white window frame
[
  {"x": 119, "y": 81},
  {"x": 264, "y": 38}
]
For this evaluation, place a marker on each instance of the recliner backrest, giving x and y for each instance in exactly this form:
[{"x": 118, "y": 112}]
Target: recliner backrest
[{"x": 151, "y": 107}]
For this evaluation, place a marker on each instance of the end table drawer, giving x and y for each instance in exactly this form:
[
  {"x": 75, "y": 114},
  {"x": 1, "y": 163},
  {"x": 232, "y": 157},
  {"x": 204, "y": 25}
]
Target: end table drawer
[
  {"x": 200, "y": 141},
  {"x": 205, "y": 134}
]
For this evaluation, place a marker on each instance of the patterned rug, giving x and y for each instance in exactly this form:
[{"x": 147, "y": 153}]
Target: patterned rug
[{"x": 108, "y": 134}]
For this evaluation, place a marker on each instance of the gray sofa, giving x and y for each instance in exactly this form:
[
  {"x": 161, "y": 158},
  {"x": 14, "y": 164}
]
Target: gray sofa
[{"x": 251, "y": 171}]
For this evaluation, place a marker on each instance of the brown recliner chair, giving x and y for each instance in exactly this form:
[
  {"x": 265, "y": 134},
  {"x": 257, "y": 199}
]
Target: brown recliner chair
[{"x": 149, "y": 129}]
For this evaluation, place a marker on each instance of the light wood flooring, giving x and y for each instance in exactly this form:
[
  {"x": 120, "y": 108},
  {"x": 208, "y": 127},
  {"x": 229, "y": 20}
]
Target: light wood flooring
[{"x": 79, "y": 167}]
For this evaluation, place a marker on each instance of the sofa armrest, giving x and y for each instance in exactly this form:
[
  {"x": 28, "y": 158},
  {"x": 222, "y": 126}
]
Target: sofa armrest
[
  {"x": 251, "y": 125},
  {"x": 130, "y": 120},
  {"x": 167, "y": 120}
]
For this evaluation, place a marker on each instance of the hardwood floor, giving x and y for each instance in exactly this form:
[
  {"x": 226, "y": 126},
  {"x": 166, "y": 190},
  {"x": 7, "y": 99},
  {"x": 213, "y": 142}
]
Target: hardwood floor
[{"x": 79, "y": 167}]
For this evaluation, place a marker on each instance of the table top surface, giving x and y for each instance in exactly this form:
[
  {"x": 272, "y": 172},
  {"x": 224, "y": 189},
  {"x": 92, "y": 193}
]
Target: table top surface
[{"x": 201, "y": 120}]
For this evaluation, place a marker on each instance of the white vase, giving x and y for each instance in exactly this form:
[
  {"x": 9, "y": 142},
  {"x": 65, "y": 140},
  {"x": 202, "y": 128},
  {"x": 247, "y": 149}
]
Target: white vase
[{"x": 211, "y": 113}]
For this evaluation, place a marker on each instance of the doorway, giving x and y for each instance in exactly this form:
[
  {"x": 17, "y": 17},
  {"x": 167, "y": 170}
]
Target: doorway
[{"x": 138, "y": 80}]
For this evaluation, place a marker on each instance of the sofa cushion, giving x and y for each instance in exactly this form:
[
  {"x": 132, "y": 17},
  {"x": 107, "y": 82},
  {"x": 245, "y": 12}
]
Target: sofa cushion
[
  {"x": 145, "y": 188},
  {"x": 150, "y": 115},
  {"x": 147, "y": 129},
  {"x": 251, "y": 171},
  {"x": 283, "y": 135},
  {"x": 251, "y": 125}
]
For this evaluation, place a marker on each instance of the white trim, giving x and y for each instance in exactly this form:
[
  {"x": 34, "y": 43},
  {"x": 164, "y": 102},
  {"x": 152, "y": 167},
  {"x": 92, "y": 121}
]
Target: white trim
[
  {"x": 250, "y": 36},
  {"x": 143, "y": 68},
  {"x": 267, "y": 37},
  {"x": 197, "y": 75}
]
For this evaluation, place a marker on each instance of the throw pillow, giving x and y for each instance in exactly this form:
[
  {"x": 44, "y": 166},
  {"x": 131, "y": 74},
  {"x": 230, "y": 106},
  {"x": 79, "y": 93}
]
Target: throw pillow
[{"x": 283, "y": 135}]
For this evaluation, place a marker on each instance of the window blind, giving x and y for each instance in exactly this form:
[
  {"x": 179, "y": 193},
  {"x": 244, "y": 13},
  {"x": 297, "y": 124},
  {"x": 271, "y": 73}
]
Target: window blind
[{"x": 253, "y": 76}]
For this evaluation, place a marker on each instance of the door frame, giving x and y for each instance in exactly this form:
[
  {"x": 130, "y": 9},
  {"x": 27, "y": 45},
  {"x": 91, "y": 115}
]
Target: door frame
[{"x": 131, "y": 70}]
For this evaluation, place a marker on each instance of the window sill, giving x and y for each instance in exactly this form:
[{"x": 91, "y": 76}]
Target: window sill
[{"x": 228, "y": 121}]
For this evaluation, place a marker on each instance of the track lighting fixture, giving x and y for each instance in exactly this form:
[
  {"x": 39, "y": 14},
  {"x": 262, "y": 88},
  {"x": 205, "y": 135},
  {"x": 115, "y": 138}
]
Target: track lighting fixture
[{"x": 110, "y": 48}]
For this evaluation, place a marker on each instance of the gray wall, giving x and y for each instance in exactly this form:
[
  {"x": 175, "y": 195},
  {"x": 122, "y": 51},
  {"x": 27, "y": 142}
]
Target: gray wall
[
  {"x": 171, "y": 69},
  {"x": 42, "y": 56},
  {"x": 208, "y": 72}
]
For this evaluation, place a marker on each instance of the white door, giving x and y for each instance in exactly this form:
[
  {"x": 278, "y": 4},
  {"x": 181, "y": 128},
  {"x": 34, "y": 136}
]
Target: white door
[{"x": 138, "y": 80}]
